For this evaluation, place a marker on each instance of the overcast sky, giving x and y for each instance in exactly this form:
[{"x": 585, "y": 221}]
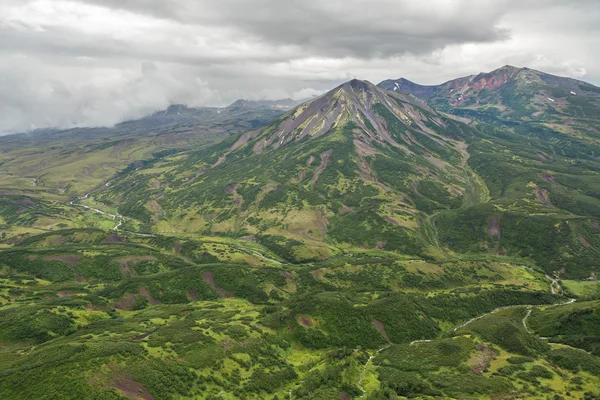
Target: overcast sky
[{"x": 98, "y": 62}]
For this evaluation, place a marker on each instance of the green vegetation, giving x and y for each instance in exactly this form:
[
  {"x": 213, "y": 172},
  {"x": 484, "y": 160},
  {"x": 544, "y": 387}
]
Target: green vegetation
[{"x": 363, "y": 245}]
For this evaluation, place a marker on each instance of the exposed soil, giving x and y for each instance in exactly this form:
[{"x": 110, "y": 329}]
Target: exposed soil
[
  {"x": 268, "y": 189},
  {"x": 124, "y": 261},
  {"x": 71, "y": 259},
  {"x": 506, "y": 396},
  {"x": 209, "y": 277},
  {"x": 548, "y": 178},
  {"x": 481, "y": 360},
  {"x": 126, "y": 302},
  {"x": 380, "y": 245},
  {"x": 300, "y": 177},
  {"x": 232, "y": 190},
  {"x": 346, "y": 209},
  {"x": 24, "y": 202},
  {"x": 66, "y": 293},
  {"x": 288, "y": 275},
  {"x": 542, "y": 196},
  {"x": 114, "y": 239},
  {"x": 306, "y": 322},
  {"x": 494, "y": 229},
  {"x": 193, "y": 295},
  {"x": 595, "y": 224},
  {"x": 219, "y": 161},
  {"x": 381, "y": 329},
  {"x": 130, "y": 388},
  {"x": 583, "y": 241},
  {"x": 177, "y": 248},
  {"x": 345, "y": 396},
  {"x": 144, "y": 292},
  {"x": 324, "y": 161},
  {"x": 126, "y": 271}
]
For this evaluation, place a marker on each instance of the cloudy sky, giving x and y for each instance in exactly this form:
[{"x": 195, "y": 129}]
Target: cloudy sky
[{"x": 98, "y": 62}]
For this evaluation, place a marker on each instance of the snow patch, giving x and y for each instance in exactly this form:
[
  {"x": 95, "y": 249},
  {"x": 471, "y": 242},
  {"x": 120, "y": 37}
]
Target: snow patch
[{"x": 552, "y": 100}]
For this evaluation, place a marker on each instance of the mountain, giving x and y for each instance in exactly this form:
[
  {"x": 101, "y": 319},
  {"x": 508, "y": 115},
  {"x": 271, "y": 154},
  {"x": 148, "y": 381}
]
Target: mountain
[
  {"x": 75, "y": 161},
  {"x": 283, "y": 104},
  {"x": 362, "y": 166},
  {"x": 526, "y": 101},
  {"x": 358, "y": 165},
  {"x": 366, "y": 243}
]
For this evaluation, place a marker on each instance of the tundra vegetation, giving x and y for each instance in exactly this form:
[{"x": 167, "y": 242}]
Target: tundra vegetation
[{"x": 367, "y": 244}]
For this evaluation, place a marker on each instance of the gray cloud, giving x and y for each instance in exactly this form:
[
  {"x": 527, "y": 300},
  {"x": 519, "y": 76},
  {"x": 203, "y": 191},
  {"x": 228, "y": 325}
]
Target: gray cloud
[
  {"x": 339, "y": 28},
  {"x": 98, "y": 62}
]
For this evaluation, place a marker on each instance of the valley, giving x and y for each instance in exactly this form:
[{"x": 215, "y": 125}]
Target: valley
[{"x": 377, "y": 242}]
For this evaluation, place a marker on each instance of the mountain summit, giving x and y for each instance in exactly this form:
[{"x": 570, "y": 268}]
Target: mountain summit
[{"x": 357, "y": 165}]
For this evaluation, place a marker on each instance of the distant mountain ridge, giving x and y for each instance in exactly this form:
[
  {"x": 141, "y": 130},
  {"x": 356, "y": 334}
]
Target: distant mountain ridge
[{"x": 283, "y": 104}]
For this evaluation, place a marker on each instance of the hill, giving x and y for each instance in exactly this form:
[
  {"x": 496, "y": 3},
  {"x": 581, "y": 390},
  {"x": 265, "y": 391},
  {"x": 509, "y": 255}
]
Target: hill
[
  {"x": 356, "y": 165},
  {"x": 365, "y": 244}
]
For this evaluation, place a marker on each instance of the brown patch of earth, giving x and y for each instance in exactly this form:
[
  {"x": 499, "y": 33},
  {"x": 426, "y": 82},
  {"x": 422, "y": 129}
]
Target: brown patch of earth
[
  {"x": 126, "y": 271},
  {"x": 144, "y": 292},
  {"x": 542, "y": 196},
  {"x": 288, "y": 275},
  {"x": 124, "y": 262},
  {"x": 219, "y": 161},
  {"x": 548, "y": 178},
  {"x": 209, "y": 277},
  {"x": 300, "y": 177},
  {"x": 126, "y": 302},
  {"x": 595, "y": 224},
  {"x": 346, "y": 209},
  {"x": 66, "y": 293},
  {"x": 24, "y": 202},
  {"x": 59, "y": 240},
  {"x": 480, "y": 362},
  {"x": 506, "y": 396},
  {"x": 345, "y": 396},
  {"x": 193, "y": 294},
  {"x": 177, "y": 248},
  {"x": 381, "y": 329},
  {"x": 306, "y": 322},
  {"x": 392, "y": 221},
  {"x": 70, "y": 259},
  {"x": 130, "y": 388},
  {"x": 324, "y": 161},
  {"x": 114, "y": 239},
  {"x": 494, "y": 229},
  {"x": 380, "y": 245},
  {"x": 583, "y": 241}
]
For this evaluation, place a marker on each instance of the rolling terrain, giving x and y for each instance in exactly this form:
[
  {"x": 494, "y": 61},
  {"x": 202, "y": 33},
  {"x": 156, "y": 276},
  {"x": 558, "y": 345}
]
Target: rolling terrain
[{"x": 376, "y": 242}]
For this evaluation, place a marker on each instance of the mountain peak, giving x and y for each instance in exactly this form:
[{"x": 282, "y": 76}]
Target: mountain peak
[
  {"x": 356, "y": 102},
  {"x": 357, "y": 84}
]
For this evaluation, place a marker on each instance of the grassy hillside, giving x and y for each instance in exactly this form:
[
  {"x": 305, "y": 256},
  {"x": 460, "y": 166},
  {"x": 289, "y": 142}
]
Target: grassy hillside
[{"x": 365, "y": 244}]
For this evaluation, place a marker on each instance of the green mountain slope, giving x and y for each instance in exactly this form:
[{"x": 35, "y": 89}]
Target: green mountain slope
[
  {"x": 365, "y": 244},
  {"x": 357, "y": 165},
  {"x": 540, "y": 163}
]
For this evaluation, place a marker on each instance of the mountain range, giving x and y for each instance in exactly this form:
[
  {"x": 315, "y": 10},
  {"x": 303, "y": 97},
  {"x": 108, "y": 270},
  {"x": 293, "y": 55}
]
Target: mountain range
[{"x": 378, "y": 241}]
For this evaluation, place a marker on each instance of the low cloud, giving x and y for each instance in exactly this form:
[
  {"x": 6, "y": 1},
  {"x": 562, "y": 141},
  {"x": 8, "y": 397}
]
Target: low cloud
[{"x": 98, "y": 62}]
